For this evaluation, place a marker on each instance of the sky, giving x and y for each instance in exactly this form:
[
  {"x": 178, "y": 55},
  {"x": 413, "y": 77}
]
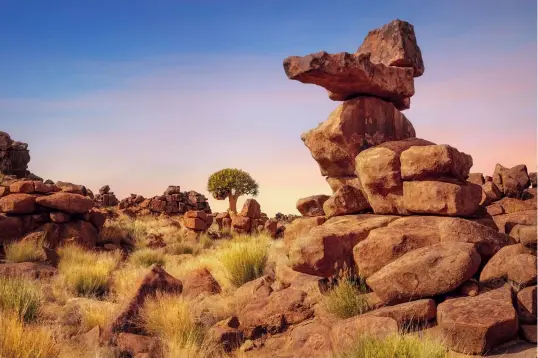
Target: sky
[{"x": 145, "y": 94}]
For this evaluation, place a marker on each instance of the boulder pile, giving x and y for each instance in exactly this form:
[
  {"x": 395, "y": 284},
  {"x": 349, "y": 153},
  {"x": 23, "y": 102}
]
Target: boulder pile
[
  {"x": 249, "y": 220},
  {"x": 106, "y": 198},
  {"x": 62, "y": 211},
  {"x": 14, "y": 157},
  {"x": 406, "y": 214},
  {"x": 172, "y": 202}
]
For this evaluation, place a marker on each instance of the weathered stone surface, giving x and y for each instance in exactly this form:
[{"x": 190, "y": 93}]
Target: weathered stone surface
[
  {"x": 196, "y": 214},
  {"x": 241, "y": 224},
  {"x": 394, "y": 44},
  {"x": 526, "y": 305},
  {"x": 199, "y": 281},
  {"x": 347, "y": 200},
  {"x": 79, "y": 232},
  {"x": 525, "y": 234},
  {"x": 426, "y": 272},
  {"x": 434, "y": 161},
  {"x": 251, "y": 209},
  {"x": 226, "y": 334},
  {"x": 385, "y": 245},
  {"x": 379, "y": 170},
  {"x": 336, "y": 182},
  {"x": 14, "y": 156},
  {"x": 301, "y": 227},
  {"x": 22, "y": 186},
  {"x": 442, "y": 198},
  {"x": 352, "y": 127},
  {"x": 59, "y": 217},
  {"x": 511, "y": 181},
  {"x": 345, "y": 332},
  {"x": 515, "y": 262},
  {"x": 18, "y": 204},
  {"x": 195, "y": 223},
  {"x": 491, "y": 191},
  {"x": 473, "y": 325},
  {"x": 346, "y": 76},
  {"x": 506, "y": 222},
  {"x": 408, "y": 314},
  {"x": 67, "y": 202},
  {"x": 469, "y": 288},
  {"x": 11, "y": 228},
  {"x": 135, "y": 344},
  {"x": 476, "y": 178},
  {"x": 271, "y": 227},
  {"x": 326, "y": 248},
  {"x": 532, "y": 179},
  {"x": 529, "y": 333},
  {"x": 312, "y": 205},
  {"x": 271, "y": 314},
  {"x": 157, "y": 280}
]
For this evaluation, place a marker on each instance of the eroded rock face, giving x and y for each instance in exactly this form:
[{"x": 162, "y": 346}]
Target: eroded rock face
[
  {"x": 18, "y": 204},
  {"x": 511, "y": 181},
  {"x": 476, "y": 178},
  {"x": 347, "y": 200},
  {"x": 301, "y": 227},
  {"x": 66, "y": 202},
  {"x": 336, "y": 182},
  {"x": 526, "y": 305},
  {"x": 14, "y": 157},
  {"x": 345, "y": 332},
  {"x": 352, "y": 127},
  {"x": 251, "y": 209},
  {"x": 200, "y": 281},
  {"x": 394, "y": 44},
  {"x": 434, "y": 161},
  {"x": 312, "y": 205},
  {"x": 516, "y": 263},
  {"x": 426, "y": 272},
  {"x": 414, "y": 314},
  {"x": 346, "y": 76},
  {"x": 387, "y": 244},
  {"x": 473, "y": 325},
  {"x": 327, "y": 248}
]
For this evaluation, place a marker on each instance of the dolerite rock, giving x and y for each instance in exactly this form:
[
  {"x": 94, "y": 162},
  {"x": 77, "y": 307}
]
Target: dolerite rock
[
  {"x": 344, "y": 332},
  {"x": 14, "y": 157},
  {"x": 18, "y": 204},
  {"x": 525, "y": 234},
  {"x": 352, "y": 127},
  {"x": 491, "y": 191},
  {"x": 301, "y": 227},
  {"x": 409, "y": 314},
  {"x": 474, "y": 325},
  {"x": 434, "y": 161},
  {"x": 172, "y": 189},
  {"x": 312, "y": 205},
  {"x": 516, "y": 263},
  {"x": 347, "y": 200},
  {"x": 379, "y": 171},
  {"x": 199, "y": 281},
  {"x": 394, "y": 44},
  {"x": 346, "y": 76},
  {"x": 532, "y": 178},
  {"x": 336, "y": 182},
  {"x": 386, "y": 244},
  {"x": 11, "y": 227},
  {"x": 451, "y": 198},
  {"x": 226, "y": 334},
  {"x": 476, "y": 178},
  {"x": 66, "y": 202},
  {"x": 426, "y": 272},
  {"x": 526, "y": 305},
  {"x": 325, "y": 249},
  {"x": 251, "y": 209},
  {"x": 511, "y": 181}
]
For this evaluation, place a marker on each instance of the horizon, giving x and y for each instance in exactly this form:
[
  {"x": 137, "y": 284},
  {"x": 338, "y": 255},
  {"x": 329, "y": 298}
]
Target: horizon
[{"x": 143, "y": 96}]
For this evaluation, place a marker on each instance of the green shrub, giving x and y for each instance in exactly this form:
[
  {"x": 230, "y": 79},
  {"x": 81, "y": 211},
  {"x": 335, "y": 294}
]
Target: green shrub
[
  {"x": 21, "y": 296},
  {"x": 396, "y": 346},
  {"x": 346, "y": 298}
]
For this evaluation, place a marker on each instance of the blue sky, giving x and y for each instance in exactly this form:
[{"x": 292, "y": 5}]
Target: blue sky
[{"x": 165, "y": 92}]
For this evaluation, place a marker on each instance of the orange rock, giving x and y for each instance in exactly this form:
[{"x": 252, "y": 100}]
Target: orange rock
[
  {"x": 476, "y": 178},
  {"x": 515, "y": 262},
  {"x": 196, "y": 214},
  {"x": 344, "y": 332},
  {"x": 22, "y": 186},
  {"x": 195, "y": 223},
  {"x": 409, "y": 314},
  {"x": 336, "y": 182},
  {"x": 312, "y": 205},
  {"x": 347, "y": 200},
  {"x": 66, "y": 202},
  {"x": 199, "y": 281},
  {"x": 526, "y": 304},
  {"x": 251, "y": 209},
  {"x": 18, "y": 204},
  {"x": 513, "y": 181},
  {"x": 300, "y": 227},
  {"x": 241, "y": 224}
]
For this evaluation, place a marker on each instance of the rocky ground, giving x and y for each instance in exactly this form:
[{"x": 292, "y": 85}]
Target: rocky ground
[{"x": 411, "y": 256}]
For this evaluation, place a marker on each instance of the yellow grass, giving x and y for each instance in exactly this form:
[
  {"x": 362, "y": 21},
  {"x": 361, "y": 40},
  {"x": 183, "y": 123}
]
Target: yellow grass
[
  {"x": 345, "y": 299},
  {"x": 24, "y": 251},
  {"x": 396, "y": 346},
  {"x": 86, "y": 273},
  {"x": 146, "y": 257},
  {"x": 126, "y": 280},
  {"x": 21, "y": 296},
  {"x": 19, "y": 340},
  {"x": 96, "y": 315}
]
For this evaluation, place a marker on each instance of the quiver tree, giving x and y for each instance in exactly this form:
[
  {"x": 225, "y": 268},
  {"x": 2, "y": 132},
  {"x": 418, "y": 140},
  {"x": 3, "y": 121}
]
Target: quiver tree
[{"x": 231, "y": 183}]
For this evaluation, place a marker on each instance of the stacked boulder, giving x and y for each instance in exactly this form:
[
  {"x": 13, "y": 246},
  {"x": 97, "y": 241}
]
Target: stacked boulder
[
  {"x": 197, "y": 220},
  {"x": 14, "y": 157},
  {"x": 249, "y": 220},
  {"x": 172, "y": 202},
  {"x": 105, "y": 198},
  {"x": 31, "y": 206},
  {"x": 405, "y": 213}
]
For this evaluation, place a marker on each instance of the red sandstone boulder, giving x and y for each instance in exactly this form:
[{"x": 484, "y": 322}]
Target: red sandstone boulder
[
  {"x": 379, "y": 170},
  {"x": 312, "y": 205},
  {"x": 67, "y": 202},
  {"x": 442, "y": 197},
  {"x": 386, "y": 244},
  {"x": 199, "y": 281},
  {"x": 352, "y": 127},
  {"x": 196, "y": 214},
  {"x": 251, "y": 209},
  {"x": 22, "y": 186},
  {"x": 426, "y": 272},
  {"x": 473, "y": 325},
  {"x": 327, "y": 248},
  {"x": 526, "y": 305},
  {"x": 18, "y": 204},
  {"x": 347, "y": 200},
  {"x": 516, "y": 263},
  {"x": 394, "y": 44}
]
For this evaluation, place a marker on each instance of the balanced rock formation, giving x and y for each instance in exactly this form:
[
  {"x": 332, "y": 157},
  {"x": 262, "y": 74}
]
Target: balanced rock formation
[
  {"x": 14, "y": 157},
  {"x": 106, "y": 198}
]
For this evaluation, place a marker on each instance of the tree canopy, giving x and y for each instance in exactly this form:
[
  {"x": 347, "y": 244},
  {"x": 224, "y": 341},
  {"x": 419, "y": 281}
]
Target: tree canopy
[{"x": 231, "y": 181}]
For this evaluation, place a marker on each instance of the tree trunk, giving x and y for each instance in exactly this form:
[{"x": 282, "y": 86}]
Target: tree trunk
[{"x": 233, "y": 203}]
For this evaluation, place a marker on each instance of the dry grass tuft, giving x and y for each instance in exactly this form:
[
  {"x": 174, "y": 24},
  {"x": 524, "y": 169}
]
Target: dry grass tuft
[
  {"x": 146, "y": 257},
  {"x": 96, "y": 315},
  {"x": 21, "y": 296},
  {"x": 19, "y": 340},
  {"x": 345, "y": 298},
  {"x": 125, "y": 281},
  {"x": 24, "y": 251},
  {"x": 86, "y": 273},
  {"x": 396, "y": 346}
]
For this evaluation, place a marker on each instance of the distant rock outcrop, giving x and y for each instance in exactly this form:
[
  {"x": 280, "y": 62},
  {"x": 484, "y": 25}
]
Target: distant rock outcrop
[{"x": 14, "y": 157}]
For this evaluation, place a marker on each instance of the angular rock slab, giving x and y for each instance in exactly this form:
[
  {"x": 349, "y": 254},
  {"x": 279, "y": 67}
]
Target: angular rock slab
[
  {"x": 526, "y": 305},
  {"x": 346, "y": 76},
  {"x": 426, "y": 272},
  {"x": 434, "y": 161},
  {"x": 442, "y": 197},
  {"x": 387, "y": 244},
  {"x": 18, "y": 204},
  {"x": 327, "y": 248},
  {"x": 353, "y": 126},
  {"x": 511, "y": 181},
  {"x": 410, "y": 313},
  {"x": 66, "y": 202},
  {"x": 473, "y": 325},
  {"x": 336, "y": 182},
  {"x": 345, "y": 332},
  {"x": 516, "y": 263},
  {"x": 379, "y": 171},
  {"x": 312, "y": 205},
  {"x": 347, "y": 200},
  {"x": 301, "y": 227}
]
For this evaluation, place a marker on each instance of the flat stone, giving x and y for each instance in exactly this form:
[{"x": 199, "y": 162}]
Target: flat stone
[
  {"x": 516, "y": 263},
  {"x": 416, "y": 313},
  {"x": 18, "y": 204},
  {"x": 66, "y": 202},
  {"x": 434, "y": 161}
]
